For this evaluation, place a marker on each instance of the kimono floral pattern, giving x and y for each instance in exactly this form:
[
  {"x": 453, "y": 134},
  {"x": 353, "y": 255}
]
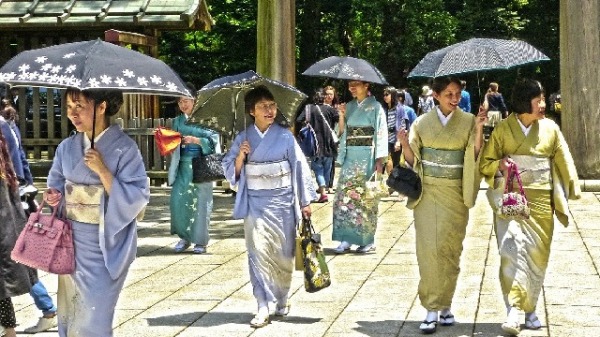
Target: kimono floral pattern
[{"x": 357, "y": 205}]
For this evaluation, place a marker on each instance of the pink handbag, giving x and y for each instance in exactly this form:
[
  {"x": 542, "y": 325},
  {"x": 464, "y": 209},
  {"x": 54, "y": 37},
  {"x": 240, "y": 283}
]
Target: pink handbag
[
  {"x": 514, "y": 204},
  {"x": 46, "y": 243}
]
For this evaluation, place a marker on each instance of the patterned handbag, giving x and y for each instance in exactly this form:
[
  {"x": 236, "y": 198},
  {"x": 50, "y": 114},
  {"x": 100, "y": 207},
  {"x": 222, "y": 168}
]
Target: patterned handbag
[
  {"x": 316, "y": 272},
  {"x": 208, "y": 167},
  {"x": 46, "y": 243},
  {"x": 514, "y": 204}
]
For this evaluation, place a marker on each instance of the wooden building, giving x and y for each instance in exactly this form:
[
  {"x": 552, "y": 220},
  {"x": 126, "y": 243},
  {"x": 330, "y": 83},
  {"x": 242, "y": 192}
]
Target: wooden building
[{"x": 34, "y": 24}]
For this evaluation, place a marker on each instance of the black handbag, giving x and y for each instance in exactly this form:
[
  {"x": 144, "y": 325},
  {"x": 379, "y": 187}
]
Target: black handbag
[
  {"x": 208, "y": 167},
  {"x": 405, "y": 181}
]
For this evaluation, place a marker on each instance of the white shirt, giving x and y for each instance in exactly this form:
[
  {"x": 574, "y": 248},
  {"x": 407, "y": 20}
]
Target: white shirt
[
  {"x": 260, "y": 133},
  {"x": 87, "y": 143},
  {"x": 524, "y": 128}
]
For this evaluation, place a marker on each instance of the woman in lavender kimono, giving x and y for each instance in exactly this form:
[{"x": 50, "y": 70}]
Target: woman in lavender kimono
[
  {"x": 362, "y": 151},
  {"x": 274, "y": 191},
  {"x": 549, "y": 179},
  {"x": 104, "y": 185},
  {"x": 191, "y": 204}
]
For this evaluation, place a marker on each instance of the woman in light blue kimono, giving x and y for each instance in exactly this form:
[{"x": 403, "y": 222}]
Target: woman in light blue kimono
[
  {"x": 100, "y": 185},
  {"x": 274, "y": 192},
  {"x": 191, "y": 204},
  {"x": 363, "y": 150}
]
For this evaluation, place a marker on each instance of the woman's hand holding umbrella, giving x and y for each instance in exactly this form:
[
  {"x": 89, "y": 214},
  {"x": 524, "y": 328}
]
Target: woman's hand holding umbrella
[{"x": 93, "y": 160}]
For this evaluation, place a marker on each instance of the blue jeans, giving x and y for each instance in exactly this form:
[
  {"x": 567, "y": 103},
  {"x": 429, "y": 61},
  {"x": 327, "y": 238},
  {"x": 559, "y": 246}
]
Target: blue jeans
[
  {"x": 42, "y": 299},
  {"x": 322, "y": 168}
]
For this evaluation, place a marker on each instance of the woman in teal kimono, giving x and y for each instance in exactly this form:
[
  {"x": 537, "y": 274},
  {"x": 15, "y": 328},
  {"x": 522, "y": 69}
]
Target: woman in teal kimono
[
  {"x": 443, "y": 149},
  {"x": 549, "y": 179},
  {"x": 101, "y": 175},
  {"x": 362, "y": 151},
  {"x": 191, "y": 204},
  {"x": 275, "y": 190}
]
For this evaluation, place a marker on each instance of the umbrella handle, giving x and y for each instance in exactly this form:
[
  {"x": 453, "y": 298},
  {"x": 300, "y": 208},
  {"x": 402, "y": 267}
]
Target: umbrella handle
[{"x": 94, "y": 125}]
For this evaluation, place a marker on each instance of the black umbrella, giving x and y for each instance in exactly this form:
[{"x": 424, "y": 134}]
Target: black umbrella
[
  {"x": 220, "y": 103},
  {"x": 346, "y": 68},
  {"x": 90, "y": 65},
  {"x": 477, "y": 55}
]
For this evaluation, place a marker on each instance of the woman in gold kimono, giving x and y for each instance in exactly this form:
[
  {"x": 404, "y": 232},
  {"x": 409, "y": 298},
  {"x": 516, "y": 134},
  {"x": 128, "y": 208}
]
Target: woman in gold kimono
[
  {"x": 549, "y": 178},
  {"x": 443, "y": 149}
]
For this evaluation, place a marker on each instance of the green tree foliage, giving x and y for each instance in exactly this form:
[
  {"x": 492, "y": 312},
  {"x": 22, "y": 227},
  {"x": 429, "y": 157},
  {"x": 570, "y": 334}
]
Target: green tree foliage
[{"x": 392, "y": 34}]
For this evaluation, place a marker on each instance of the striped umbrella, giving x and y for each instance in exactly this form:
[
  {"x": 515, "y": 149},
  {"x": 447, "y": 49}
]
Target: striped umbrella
[{"x": 477, "y": 54}]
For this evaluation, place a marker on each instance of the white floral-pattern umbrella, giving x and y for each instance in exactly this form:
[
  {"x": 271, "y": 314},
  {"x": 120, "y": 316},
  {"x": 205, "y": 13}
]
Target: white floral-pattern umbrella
[
  {"x": 93, "y": 65},
  {"x": 346, "y": 68}
]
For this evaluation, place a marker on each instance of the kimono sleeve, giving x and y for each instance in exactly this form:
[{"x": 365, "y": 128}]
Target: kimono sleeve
[
  {"x": 128, "y": 196},
  {"x": 381, "y": 140}
]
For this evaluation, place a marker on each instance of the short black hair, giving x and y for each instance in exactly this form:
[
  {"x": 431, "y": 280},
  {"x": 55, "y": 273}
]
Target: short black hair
[
  {"x": 318, "y": 97},
  {"x": 253, "y": 96},
  {"x": 523, "y": 92},
  {"x": 113, "y": 98},
  {"x": 441, "y": 83}
]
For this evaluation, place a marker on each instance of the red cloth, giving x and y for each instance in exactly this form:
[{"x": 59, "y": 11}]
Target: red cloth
[{"x": 166, "y": 140}]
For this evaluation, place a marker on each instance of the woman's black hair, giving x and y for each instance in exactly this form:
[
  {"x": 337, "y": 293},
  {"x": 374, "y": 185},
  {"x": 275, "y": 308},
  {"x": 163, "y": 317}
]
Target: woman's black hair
[
  {"x": 253, "y": 96},
  {"x": 523, "y": 92},
  {"x": 113, "y": 98},
  {"x": 394, "y": 97},
  {"x": 318, "y": 97},
  {"x": 441, "y": 83}
]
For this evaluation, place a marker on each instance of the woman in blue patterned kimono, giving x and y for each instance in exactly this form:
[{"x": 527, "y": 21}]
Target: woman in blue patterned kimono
[
  {"x": 363, "y": 150},
  {"x": 191, "y": 204},
  {"x": 549, "y": 179},
  {"x": 274, "y": 192},
  {"x": 443, "y": 149},
  {"x": 100, "y": 185}
]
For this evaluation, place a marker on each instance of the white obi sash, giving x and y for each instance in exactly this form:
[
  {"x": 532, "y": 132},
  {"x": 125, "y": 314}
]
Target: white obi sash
[
  {"x": 83, "y": 202},
  {"x": 534, "y": 171},
  {"x": 268, "y": 176}
]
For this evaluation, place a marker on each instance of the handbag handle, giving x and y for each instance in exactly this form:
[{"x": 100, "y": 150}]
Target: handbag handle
[
  {"x": 513, "y": 172},
  {"x": 39, "y": 211}
]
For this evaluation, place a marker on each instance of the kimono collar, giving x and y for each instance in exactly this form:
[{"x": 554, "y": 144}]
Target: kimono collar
[
  {"x": 524, "y": 128},
  {"x": 262, "y": 134},
  {"x": 443, "y": 119},
  {"x": 87, "y": 143}
]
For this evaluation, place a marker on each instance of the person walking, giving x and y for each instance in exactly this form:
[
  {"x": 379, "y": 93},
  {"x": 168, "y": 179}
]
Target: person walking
[
  {"x": 443, "y": 149},
  {"x": 274, "y": 193},
  {"x": 538, "y": 148},
  {"x": 426, "y": 102},
  {"x": 98, "y": 181},
  {"x": 363, "y": 150},
  {"x": 465, "y": 97},
  {"x": 396, "y": 120},
  {"x": 331, "y": 99},
  {"x": 15, "y": 279},
  {"x": 190, "y": 204},
  {"x": 322, "y": 119}
]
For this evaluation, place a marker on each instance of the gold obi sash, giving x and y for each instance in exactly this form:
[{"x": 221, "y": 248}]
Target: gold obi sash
[
  {"x": 268, "y": 176},
  {"x": 442, "y": 163},
  {"x": 83, "y": 202}
]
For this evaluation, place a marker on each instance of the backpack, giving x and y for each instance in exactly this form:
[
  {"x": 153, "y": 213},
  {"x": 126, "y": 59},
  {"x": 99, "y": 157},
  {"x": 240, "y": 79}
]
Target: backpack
[{"x": 307, "y": 138}]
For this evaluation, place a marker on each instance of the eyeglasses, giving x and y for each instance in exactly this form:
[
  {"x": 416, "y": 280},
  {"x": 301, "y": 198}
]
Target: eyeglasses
[
  {"x": 386, "y": 94},
  {"x": 267, "y": 106}
]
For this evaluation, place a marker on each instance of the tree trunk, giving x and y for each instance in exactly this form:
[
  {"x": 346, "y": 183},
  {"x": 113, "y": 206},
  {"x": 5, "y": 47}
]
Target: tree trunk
[
  {"x": 276, "y": 56},
  {"x": 580, "y": 78}
]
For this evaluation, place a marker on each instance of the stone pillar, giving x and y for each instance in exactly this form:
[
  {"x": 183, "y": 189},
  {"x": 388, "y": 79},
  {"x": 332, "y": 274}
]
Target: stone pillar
[
  {"x": 580, "y": 82},
  {"x": 276, "y": 46}
]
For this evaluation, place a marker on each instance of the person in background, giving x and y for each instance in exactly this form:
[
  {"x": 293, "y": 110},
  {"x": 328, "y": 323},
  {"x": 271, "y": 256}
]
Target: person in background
[
  {"x": 494, "y": 101},
  {"x": 549, "y": 178},
  {"x": 396, "y": 120},
  {"x": 15, "y": 279},
  {"x": 410, "y": 112},
  {"x": 101, "y": 174},
  {"x": 465, "y": 97},
  {"x": 443, "y": 148},
  {"x": 331, "y": 98},
  {"x": 40, "y": 295},
  {"x": 190, "y": 204},
  {"x": 274, "y": 194},
  {"x": 408, "y": 100},
  {"x": 363, "y": 150},
  {"x": 323, "y": 119},
  {"x": 426, "y": 102}
]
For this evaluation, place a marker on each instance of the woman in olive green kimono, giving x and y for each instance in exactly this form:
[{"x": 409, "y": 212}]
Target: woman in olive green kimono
[
  {"x": 549, "y": 178},
  {"x": 443, "y": 149}
]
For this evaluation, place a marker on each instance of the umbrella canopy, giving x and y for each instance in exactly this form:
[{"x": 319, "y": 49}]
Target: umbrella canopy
[
  {"x": 346, "y": 68},
  {"x": 477, "y": 55},
  {"x": 220, "y": 104},
  {"x": 92, "y": 65}
]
